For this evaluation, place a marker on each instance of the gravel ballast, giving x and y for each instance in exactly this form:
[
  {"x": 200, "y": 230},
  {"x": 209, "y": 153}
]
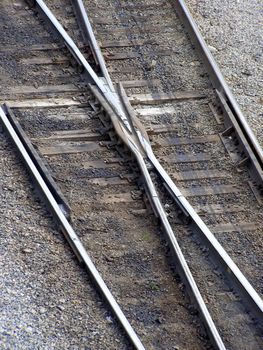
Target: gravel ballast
[
  {"x": 232, "y": 30},
  {"x": 47, "y": 299}
]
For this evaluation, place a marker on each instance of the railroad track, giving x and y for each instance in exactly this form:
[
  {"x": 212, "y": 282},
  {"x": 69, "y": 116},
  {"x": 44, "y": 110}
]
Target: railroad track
[{"x": 181, "y": 123}]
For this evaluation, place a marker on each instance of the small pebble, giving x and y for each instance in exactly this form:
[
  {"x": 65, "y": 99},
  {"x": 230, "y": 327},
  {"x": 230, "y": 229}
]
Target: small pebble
[{"x": 212, "y": 48}]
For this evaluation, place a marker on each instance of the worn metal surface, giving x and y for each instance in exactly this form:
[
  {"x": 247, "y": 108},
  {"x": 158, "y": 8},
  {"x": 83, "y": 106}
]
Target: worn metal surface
[
  {"x": 124, "y": 130},
  {"x": 249, "y": 142},
  {"x": 133, "y": 134},
  {"x": 89, "y": 36},
  {"x": 157, "y": 207},
  {"x": 68, "y": 231},
  {"x": 53, "y": 187}
]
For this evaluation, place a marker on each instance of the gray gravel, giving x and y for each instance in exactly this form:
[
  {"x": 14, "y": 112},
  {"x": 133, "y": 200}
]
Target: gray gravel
[
  {"x": 47, "y": 301},
  {"x": 40, "y": 288},
  {"x": 233, "y": 30}
]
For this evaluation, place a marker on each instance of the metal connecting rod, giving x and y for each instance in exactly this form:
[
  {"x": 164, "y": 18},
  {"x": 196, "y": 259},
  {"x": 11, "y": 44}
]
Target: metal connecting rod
[{"x": 69, "y": 233}]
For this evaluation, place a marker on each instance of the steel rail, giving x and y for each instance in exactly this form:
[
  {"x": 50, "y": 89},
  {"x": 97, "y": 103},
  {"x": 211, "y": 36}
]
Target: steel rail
[
  {"x": 88, "y": 35},
  {"x": 182, "y": 266},
  {"x": 69, "y": 233},
  {"x": 245, "y": 288},
  {"x": 111, "y": 97},
  {"x": 218, "y": 80},
  {"x": 42, "y": 168},
  {"x": 125, "y": 131},
  {"x": 72, "y": 47}
]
